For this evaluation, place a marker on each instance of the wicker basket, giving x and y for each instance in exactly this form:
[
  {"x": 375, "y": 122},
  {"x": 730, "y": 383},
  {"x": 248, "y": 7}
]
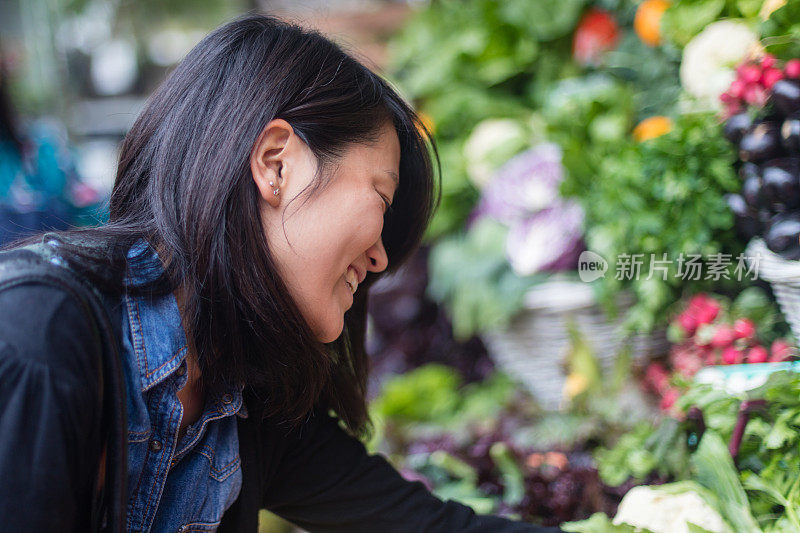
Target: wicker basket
[
  {"x": 784, "y": 277},
  {"x": 534, "y": 347}
]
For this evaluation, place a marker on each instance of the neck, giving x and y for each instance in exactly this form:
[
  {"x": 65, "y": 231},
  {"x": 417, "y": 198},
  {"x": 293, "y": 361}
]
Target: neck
[{"x": 193, "y": 375}]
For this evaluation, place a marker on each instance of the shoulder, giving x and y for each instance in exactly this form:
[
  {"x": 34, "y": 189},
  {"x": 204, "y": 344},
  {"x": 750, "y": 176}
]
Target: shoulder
[{"x": 46, "y": 325}]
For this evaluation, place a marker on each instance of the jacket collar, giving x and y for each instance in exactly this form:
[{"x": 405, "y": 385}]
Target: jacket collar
[
  {"x": 159, "y": 341},
  {"x": 158, "y": 337}
]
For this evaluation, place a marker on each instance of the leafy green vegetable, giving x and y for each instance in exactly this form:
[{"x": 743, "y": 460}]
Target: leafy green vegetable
[
  {"x": 763, "y": 486},
  {"x": 463, "y": 61},
  {"x": 545, "y": 20},
  {"x": 599, "y": 523},
  {"x": 686, "y": 18},
  {"x": 781, "y": 31},
  {"x": 715, "y": 471},
  {"x": 512, "y": 477},
  {"x": 643, "y": 450},
  {"x": 437, "y": 384},
  {"x": 472, "y": 277},
  {"x": 631, "y": 192}
]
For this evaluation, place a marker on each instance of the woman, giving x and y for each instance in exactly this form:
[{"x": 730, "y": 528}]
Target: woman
[{"x": 269, "y": 182}]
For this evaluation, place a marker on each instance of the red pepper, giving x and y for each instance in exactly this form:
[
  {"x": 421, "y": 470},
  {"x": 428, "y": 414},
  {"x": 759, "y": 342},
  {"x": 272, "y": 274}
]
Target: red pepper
[{"x": 596, "y": 34}]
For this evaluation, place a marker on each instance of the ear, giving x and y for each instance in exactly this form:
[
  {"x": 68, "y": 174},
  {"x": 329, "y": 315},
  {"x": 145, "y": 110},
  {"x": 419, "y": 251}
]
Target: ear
[{"x": 269, "y": 157}]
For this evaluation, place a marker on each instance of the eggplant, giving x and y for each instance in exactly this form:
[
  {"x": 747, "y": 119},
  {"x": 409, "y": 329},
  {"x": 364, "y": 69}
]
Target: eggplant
[
  {"x": 752, "y": 193},
  {"x": 764, "y": 218},
  {"x": 746, "y": 220},
  {"x": 736, "y": 126},
  {"x": 783, "y": 235},
  {"x": 786, "y": 96},
  {"x": 747, "y": 170},
  {"x": 780, "y": 183},
  {"x": 790, "y": 134},
  {"x": 761, "y": 142}
]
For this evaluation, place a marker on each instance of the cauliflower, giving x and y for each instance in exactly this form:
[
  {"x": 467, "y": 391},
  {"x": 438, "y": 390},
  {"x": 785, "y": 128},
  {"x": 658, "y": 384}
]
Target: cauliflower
[
  {"x": 492, "y": 143},
  {"x": 661, "y": 511},
  {"x": 709, "y": 60}
]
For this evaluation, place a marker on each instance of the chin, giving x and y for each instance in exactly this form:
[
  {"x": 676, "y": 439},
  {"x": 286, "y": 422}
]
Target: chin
[{"x": 330, "y": 334}]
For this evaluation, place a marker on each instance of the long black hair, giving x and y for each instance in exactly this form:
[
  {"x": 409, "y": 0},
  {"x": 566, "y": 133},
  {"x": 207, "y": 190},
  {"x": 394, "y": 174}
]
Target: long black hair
[{"x": 184, "y": 184}]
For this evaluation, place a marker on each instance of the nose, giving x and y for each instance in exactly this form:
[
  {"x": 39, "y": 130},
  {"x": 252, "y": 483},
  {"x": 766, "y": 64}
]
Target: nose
[{"x": 377, "y": 258}]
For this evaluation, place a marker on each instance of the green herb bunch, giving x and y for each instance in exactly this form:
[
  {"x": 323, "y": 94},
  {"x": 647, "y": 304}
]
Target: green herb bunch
[{"x": 664, "y": 195}]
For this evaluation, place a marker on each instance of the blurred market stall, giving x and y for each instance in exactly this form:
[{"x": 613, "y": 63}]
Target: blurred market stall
[{"x": 620, "y": 215}]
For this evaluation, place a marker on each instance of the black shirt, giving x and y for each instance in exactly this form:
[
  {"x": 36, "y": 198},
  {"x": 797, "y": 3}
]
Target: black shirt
[{"x": 316, "y": 476}]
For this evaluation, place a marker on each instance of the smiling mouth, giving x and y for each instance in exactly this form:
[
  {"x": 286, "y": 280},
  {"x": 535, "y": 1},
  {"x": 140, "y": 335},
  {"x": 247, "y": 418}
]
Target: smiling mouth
[{"x": 351, "y": 278}]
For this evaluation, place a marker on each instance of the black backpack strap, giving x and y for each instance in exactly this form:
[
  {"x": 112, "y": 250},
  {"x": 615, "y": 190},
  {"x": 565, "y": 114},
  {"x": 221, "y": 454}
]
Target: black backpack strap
[{"x": 39, "y": 263}]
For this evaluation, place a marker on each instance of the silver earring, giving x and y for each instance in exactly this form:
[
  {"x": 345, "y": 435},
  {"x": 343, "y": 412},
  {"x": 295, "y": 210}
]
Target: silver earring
[{"x": 272, "y": 184}]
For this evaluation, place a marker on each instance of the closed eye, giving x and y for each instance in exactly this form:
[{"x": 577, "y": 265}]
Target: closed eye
[{"x": 388, "y": 205}]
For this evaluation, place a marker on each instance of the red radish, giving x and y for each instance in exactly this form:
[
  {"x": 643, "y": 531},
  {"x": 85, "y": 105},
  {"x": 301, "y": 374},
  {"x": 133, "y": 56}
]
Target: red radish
[
  {"x": 688, "y": 323},
  {"x": 723, "y": 337},
  {"x": 711, "y": 357},
  {"x": 744, "y": 328},
  {"x": 657, "y": 377},
  {"x": 754, "y": 94},
  {"x": 750, "y": 74},
  {"x": 732, "y": 356},
  {"x": 731, "y": 109},
  {"x": 792, "y": 68},
  {"x": 780, "y": 351},
  {"x": 768, "y": 61},
  {"x": 707, "y": 314},
  {"x": 757, "y": 354},
  {"x": 770, "y": 76},
  {"x": 596, "y": 34},
  {"x": 736, "y": 90},
  {"x": 686, "y": 360},
  {"x": 669, "y": 398},
  {"x": 705, "y": 333},
  {"x": 698, "y": 301}
]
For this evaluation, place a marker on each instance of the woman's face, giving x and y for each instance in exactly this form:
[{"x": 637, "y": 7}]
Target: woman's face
[{"x": 324, "y": 242}]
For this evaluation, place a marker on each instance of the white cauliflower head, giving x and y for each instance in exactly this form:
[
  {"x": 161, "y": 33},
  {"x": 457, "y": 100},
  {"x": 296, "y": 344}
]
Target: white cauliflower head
[
  {"x": 710, "y": 59},
  {"x": 660, "y": 511},
  {"x": 492, "y": 143}
]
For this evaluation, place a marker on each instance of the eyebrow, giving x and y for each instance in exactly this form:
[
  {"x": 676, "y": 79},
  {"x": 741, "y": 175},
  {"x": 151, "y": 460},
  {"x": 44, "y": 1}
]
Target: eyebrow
[{"x": 394, "y": 176}]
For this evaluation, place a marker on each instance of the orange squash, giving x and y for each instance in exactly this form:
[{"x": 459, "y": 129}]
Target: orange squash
[
  {"x": 647, "y": 22},
  {"x": 652, "y": 127}
]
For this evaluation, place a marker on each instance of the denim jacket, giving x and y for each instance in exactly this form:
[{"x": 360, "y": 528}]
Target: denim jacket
[{"x": 173, "y": 485}]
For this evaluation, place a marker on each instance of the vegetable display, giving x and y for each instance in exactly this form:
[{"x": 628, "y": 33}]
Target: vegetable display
[
  {"x": 768, "y": 204},
  {"x": 659, "y": 129},
  {"x": 489, "y": 446},
  {"x": 711, "y": 331},
  {"x": 759, "y": 489}
]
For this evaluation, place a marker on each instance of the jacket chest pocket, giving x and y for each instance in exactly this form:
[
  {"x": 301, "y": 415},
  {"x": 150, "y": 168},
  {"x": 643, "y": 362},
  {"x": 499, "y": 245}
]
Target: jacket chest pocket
[
  {"x": 222, "y": 465},
  {"x": 203, "y": 483},
  {"x": 218, "y": 486}
]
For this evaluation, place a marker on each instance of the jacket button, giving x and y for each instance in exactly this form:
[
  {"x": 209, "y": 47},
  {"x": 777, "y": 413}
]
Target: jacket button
[
  {"x": 227, "y": 398},
  {"x": 180, "y": 371},
  {"x": 155, "y": 446}
]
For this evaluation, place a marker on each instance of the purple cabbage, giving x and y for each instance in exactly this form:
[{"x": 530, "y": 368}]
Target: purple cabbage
[
  {"x": 545, "y": 231},
  {"x": 549, "y": 240},
  {"x": 524, "y": 185}
]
